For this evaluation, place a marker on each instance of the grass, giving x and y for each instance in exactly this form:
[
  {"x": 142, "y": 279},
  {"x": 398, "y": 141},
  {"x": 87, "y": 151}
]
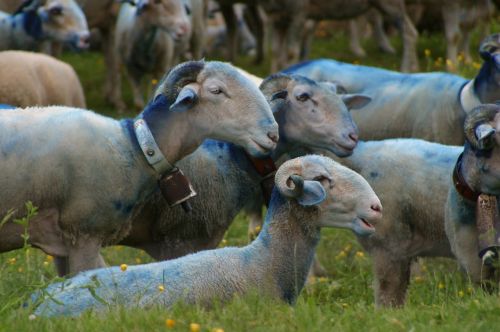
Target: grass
[{"x": 440, "y": 299}]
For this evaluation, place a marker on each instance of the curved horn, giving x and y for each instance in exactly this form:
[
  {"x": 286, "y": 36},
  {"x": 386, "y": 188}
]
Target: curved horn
[
  {"x": 177, "y": 78},
  {"x": 273, "y": 84},
  {"x": 289, "y": 180},
  {"x": 479, "y": 115},
  {"x": 489, "y": 45}
]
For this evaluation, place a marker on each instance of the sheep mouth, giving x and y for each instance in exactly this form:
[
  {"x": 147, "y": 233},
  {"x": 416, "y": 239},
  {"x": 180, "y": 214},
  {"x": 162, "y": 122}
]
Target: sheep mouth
[
  {"x": 258, "y": 149},
  {"x": 341, "y": 150},
  {"x": 363, "y": 227}
]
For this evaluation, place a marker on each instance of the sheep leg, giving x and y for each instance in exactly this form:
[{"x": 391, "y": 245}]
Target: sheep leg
[
  {"x": 317, "y": 269},
  {"x": 256, "y": 25},
  {"x": 451, "y": 14},
  {"x": 377, "y": 23},
  {"x": 108, "y": 41},
  {"x": 62, "y": 265},
  {"x": 392, "y": 278},
  {"x": 465, "y": 247},
  {"x": 135, "y": 85},
  {"x": 354, "y": 39},
  {"x": 231, "y": 28},
  {"x": 84, "y": 254}
]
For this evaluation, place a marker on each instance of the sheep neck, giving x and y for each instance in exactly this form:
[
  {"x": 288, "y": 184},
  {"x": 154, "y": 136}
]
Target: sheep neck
[{"x": 291, "y": 243}]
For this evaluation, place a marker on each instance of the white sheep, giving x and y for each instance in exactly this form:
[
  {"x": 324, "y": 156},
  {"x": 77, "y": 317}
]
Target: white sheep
[
  {"x": 87, "y": 173},
  {"x": 309, "y": 115},
  {"x": 145, "y": 37},
  {"x": 35, "y": 22},
  {"x": 311, "y": 192},
  {"x": 413, "y": 179},
  {"x": 430, "y": 106},
  {"x": 30, "y": 79}
]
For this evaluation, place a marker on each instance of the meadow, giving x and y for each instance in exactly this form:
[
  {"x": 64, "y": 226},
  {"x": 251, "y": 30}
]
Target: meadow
[{"x": 440, "y": 297}]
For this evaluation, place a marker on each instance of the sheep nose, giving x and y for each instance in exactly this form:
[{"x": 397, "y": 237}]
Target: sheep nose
[
  {"x": 84, "y": 40},
  {"x": 183, "y": 29},
  {"x": 273, "y": 136},
  {"x": 354, "y": 137},
  {"x": 377, "y": 207}
]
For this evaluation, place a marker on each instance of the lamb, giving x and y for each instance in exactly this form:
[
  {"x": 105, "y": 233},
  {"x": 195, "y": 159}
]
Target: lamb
[
  {"x": 86, "y": 198},
  {"x": 309, "y": 115},
  {"x": 431, "y": 106},
  {"x": 143, "y": 44},
  {"x": 30, "y": 79},
  {"x": 413, "y": 179},
  {"x": 310, "y": 192},
  {"x": 35, "y": 22}
]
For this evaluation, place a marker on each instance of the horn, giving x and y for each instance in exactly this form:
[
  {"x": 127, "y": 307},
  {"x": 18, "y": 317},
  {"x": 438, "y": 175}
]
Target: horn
[
  {"x": 489, "y": 45},
  {"x": 28, "y": 5},
  {"x": 177, "y": 78},
  {"x": 290, "y": 171},
  {"x": 478, "y": 115},
  {"x": 273, "y": 84}
]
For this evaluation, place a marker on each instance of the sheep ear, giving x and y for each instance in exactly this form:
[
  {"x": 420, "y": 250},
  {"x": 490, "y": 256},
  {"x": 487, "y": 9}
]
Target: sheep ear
[
  {"x": 312, "y": 194},
  {"x": 483, "y": 132},
  {"x": 355, "y": 101},
  {"x": 186, "y": 99},
  {"x": 141, "y": 5}
]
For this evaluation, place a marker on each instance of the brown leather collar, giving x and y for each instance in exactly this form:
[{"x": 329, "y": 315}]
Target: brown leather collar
[
  {"x": 266, "y": 168},
  {"x": 460, "y": 185}
]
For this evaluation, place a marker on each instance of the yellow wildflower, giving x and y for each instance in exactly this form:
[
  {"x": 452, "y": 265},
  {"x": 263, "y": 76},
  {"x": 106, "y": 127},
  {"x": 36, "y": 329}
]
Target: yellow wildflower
[
  {"x": 194, "y": 327},
  {"x": 427, "y": 52},
  {"x": 224, "y": 242},
  {"x": 154, "y": 81},
  {"x": 322, "y": 279},
  {"x": 461, "y": 294},
  {"x": 345, "y": 305},
  {"x": 348, "y": 247},
  {"x": 257, "y": 229},
  {"x": 360, "y": 254},
  {"x": 440, "y": 285},
  {"x": 20, "y": 270},
  {"x": 123, "y": 267},
  {"x": 12, "y": 261},
  {"x": 138, "y": 260},
  {"x": 161, "y": 288},
  {"x": 469, "y": 290},
  {"x": 49, "y": 258},
  {"x": 45, "y": 263},
  {"x": 419, "y": 279},
  {"x": 217, "y": 330},
  {"x": 170, "y": 323}
]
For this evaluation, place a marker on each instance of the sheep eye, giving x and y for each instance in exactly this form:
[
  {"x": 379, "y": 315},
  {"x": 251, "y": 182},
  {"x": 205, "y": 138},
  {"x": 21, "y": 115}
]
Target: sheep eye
[
  {"x": 303, "y": 96},
  {"x": 215, "y": 91},
  {"x": 188, "y": 10},
  {"x": 56, "y": 11}
]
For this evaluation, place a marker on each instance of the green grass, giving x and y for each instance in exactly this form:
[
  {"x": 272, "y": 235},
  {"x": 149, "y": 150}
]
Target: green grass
[{"x": 440, "y": 299}]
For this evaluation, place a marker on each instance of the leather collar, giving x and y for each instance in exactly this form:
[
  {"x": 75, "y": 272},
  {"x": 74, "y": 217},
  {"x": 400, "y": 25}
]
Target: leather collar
[
  {"x": 460, "y": 185},
  {"x": 150, "y": 149},
  {"x": 266, "y": 168}
]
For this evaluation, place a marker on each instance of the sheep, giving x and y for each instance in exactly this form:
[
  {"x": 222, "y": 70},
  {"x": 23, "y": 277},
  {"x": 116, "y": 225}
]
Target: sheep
[
  {"x": 35, "y": 22},
  {"x": 86, "y": 199},
  {"x": 143, "y": 45},
  {"x": 30, "y": 79},
  {"x": 478, "y": 170},
  {"x": 169, "y": 233},
  {"x": 431, "y": 106},
  {"x": 413, "y": 179},
  {"x": 288, "y": 17},
  {"x": 310, "y": 192}
]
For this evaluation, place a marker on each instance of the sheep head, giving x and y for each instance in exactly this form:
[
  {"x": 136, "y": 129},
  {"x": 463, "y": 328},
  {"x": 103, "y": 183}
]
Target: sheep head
[
  {"x": 62, "y": 21},
  {"x": 168, "y": 15},
  {"x": 219, "y": 103},
  {"x": 311, "y": 114},
  {"x": 481, "y": 160},
  {"x": 342, "y": 197},
  {"x": 487, "y": 81}
]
